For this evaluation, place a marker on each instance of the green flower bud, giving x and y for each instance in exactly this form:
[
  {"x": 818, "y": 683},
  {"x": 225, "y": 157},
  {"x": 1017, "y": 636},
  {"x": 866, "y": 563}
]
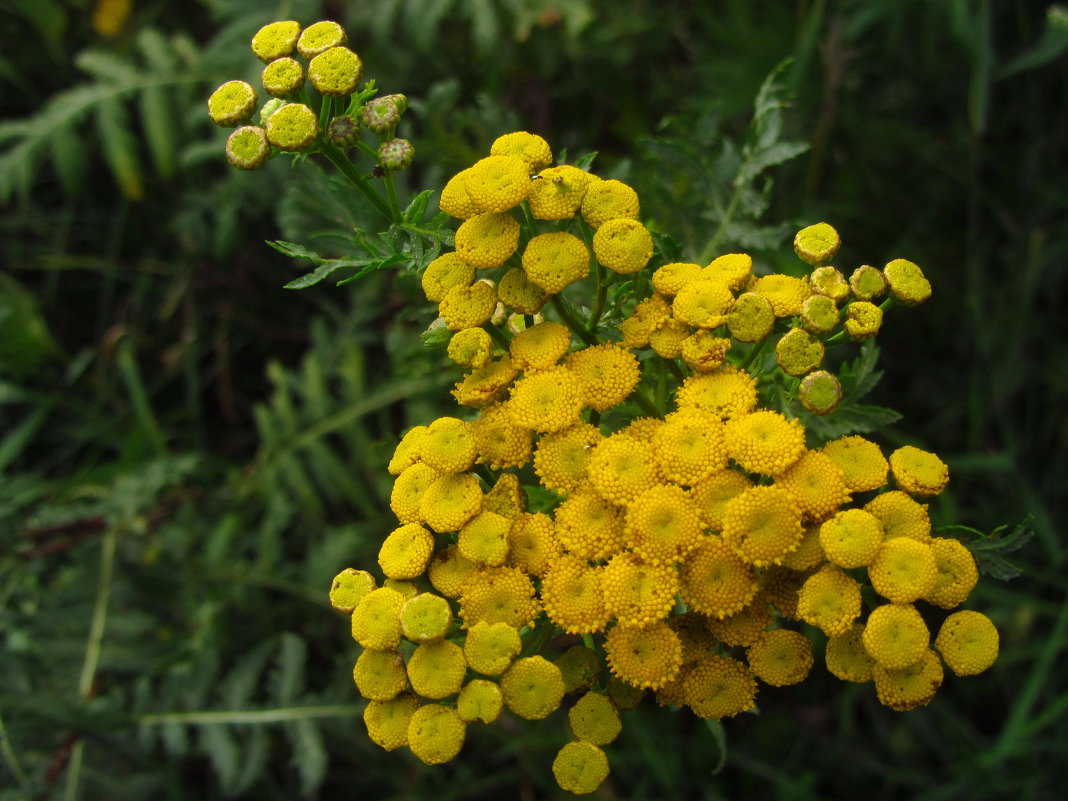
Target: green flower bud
[
  {"x": 821, "y": 392},
  {"x": 320, "y": 37},
  {"x": 247, "y": 147},
  {"x": 819, "y": 314},
  {"x": 283, "y": 77},
  {"x": 292, "y": 127},
  {"x": 382, "y": 114},
  {"x": 817, "y": 244},
  {"x": 863, "y": 320},
  {"x": 580, "y": 667},
  {"x": 275, "y": 40},
  {"x": 907, "y": 282},
  {"x": 752, "y": 318},
  {"x": 343, "y": 130},
  {"x": 798, "y": 352},
  {"x": 232, "y": 103},
  {"x": 867, "y": 283},
  {"x": 396, "y": 154},
  {"x": 336, "y": 72},
  {"x": 828, "y": 281},
  {"x": 269, "y": 108}
]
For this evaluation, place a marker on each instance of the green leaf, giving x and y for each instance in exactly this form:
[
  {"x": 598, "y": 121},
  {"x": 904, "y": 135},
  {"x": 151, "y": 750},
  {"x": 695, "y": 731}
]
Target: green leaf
[
  {"x": 770, "y": 156},
  {"x": 1052, "y": 44},
  {"x": 218, "y": 741},
  {"x": 326, "y": 266},
  {"x": 120, "y": 147},
  {"x": 288, "y": 677},
  {"x": 853, "y": 419},
  {"x": 160, "y": 129},
  {"x": 68, "y": 158},
  {"x": 106, "y": 66},
  {"x": 859, "y": 376},
  {"x": 309, "y": 754},
  {"x": 989, "y": 551},
  {"x": 416, "y": 209}
]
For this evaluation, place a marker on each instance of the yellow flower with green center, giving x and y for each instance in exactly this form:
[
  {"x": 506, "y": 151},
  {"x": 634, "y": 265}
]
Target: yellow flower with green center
[
  {"x": 704, "y": 352},
  {"x": 867, "y": 283},
  {"x": 907, "y": 282},
  {"x": 408, "y": 491},
  {"x": 785, "y": 293},
  {"x": 745, "y": 626},
  {"x": 817, "y": 243},
  {"x": 781, "y": 657},
  {"x": 456, "y": 201},
  {"x": 558, "y": 192},
  {"x": 425, "y": 617},
  {"x": 752, "y": 317},
  {"x": 637, "y": 593},
  {"x": 662, "y": 525},
  {"x": 580, "y": 667},
  {"x": 918, "y": 472},
  {"x": 727, "y": 392},
  {"x": 499, "y": 442},
  {"x": 487, "y": 240},
  {"x": 846, "y": 658},
  {"x": 670, "y": 278},
  {"x": 588, "y": 525},
  {"x": 499, "y": 595},
  {"x": 484, "y": 539},
  {"x": 827, "y": 281},
  {"x": 335, "y": 72},
  {"x": 901, "y": 516},
  {"x": 572, "y": 593},
  {"x": 851, "y": 538},
  {"x": 449, "y": 571},
  {"x": 436, "y": 733},
  {"x": 247, "y": 148},
  {"x": 380, "y": 675},
  {"x": 623, "y": 245},
  {"x": 530, "y": 148},
  {"x": 903, "y": 570},
  {"x": 275, "y": 40},
  {"x": 863, "y": 320},
  {"x": 762, "y": 525},
  {"x": 830, "y": 600},
  {"x": 541, "y": 346},
  {"x": 820, "y": 392},
  {"x": 798, "y": 352},
  {"x": 895, "y": 635},
  {"x": 349, "y": 588},
  {"x": 490, "y": 647},
  {"x": 498, "y": 183},
  {"x": 819, "y": 314},
  {"x": 712, "y": 493},
  {"x": 608, "y": 373},
  {"x": 719, "y": 687},
  {"x": 448, "y": 445},
  {"x": 703, "y": 303},
  {"x": 450, "y": 501},
  {"x": 608, "y": 200},
  {"x": 690, "y": 446},
  {"x": 715, "y": 581},
  {"x": 293, "y": 127},
  {"x": 406, "y": 552},
  {"x": 533, "y": 687},
  {"x": 621, "y": 467},
  {"x": 283, "y": 77},
  {"x": 547, "y": 401},
  {"x": 957, "y": 573},
  {"x": 645, "y": 656},
  {"x": 232, "y": 103},
  {"x": 733, "y": 269},
  {"x": 968, "y": 642},
  {"x": 764, "y": 442},
  {"x": 580, "y": 767},
  {"x": 480, "y": 699},
  {"x": 471, "y": 347},
  {"x": 468, "y": 306},
  {"x": 910, "y": 687},
  {"x": 862, "y": 464},
  {"x": 561, "y": 458},
  {"x": 320, "y": 37},
  {"x": 387, "y": 721},
  {"x": 436, "y": 669},
  {"x": 816, "y": 484},
  {"x": 376, "y": 620},
  {"x": 595, "y": 719}
]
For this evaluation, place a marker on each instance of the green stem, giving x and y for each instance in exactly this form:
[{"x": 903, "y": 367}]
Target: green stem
[
  {"x": 601, "y": 297},
  {"x": 675, "y": 370},
  {"x": 325, "y": 112},
  {"x": 347, "y": 169},
  {"x": 9, "y": 754},
  {"x": 250, "y": 716},
  {"x": 647, "y": 405},
  {"x": 391, "y": 195},
  {"x": 498, "y": 336},
  {"x": 756, "y": 351},
  {"x": 577, "y": 328},
  {"x": 732, "y": 208}
]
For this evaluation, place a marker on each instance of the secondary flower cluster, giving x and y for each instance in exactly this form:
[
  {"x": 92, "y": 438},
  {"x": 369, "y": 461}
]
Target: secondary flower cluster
[{"x": 582, "y": 539}]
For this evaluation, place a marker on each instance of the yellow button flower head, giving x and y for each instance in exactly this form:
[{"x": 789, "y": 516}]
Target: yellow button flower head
[
  {"x": 558, "y": 192},
  {"x": 817, "y": 243},
  {"x": 405, "y": 588},
  {"x": 446, "y": 271},
  {"x": 907, "y": 282},
  {"x": 646, "y": 317},
  {"x": 490, "y": 647},
  {"x": 425, "y": 617},
  {"x": 456, "y": 201},
  {"x": 637, "y": 593},
  {"x": 781, "y": 657},
  {"x": 293, "y": 127},
  {"x": 830, "y": 283},
  {"x": 335, "y": 72},
  {"x": 901, "y": 516},
  {"x": 320, "y": 37},
  {"x": 784, "y": 292},
  {"x": 282, "y": 77},
  {"x": 745, "y": 626},
  {"x": 436, "y": 733},
  {"x": 499, "y": 595},
  {"x": 764, "y": 442},
  {"x": 670, "y": 278},
  {"x": 903, "y": 570},
  {"x": 608, "y": 374},
  {"x": 968, "y": 642},
  {"x": 895, "y": 636},
  {"x": 387, "y": 721},
  {"x": 830, "y": 600},
  {"x": 247, "y": 147},
  {"x": 625, "y": 696},
  {"x": 408, "y": 491},
  {"x": 909, "y": 687},
  {"x": 572, "y": 593},
  {"x": 703, "y": 303},
  {"x": 662, "y": 525},
  {"x": 809, "y": 554},
  {"x": 560, "y": 458},
  {"x": 275, "y": 40},
  {"x": 541, "y": 346},
  {"x": 621, "y": 467},
  {"x": 851, "y": 538},
  {"x": 519, "y": 293},
  {"x": 449, "y": 572},
  {"x": 499, "y": 441},
  {"x": 846, "y": 658},
  {"x": 376, "y": 620},
  {"x": 622, "y": 245},
  {"x": 820, "y": 392},
  {"x": 448, "y": 445},
  {"x": 406, "y": 552},
  {"x": 644, "y": 656},
  {"x": 471, "y": 347},
  {"x": 580, "y": 767},
  {"x": 480, "y": 699},
  {"x": 589, "y": 526},
  {"x": 733, "y": 269},
  {"x": 450, "y": 502},
  {"x": 918, "y": 472},
  {"x": 642, "y": 428},
  {"x": 468, "y": 306},
  {"x": 762, "y": 525},
  {"x": 797, "y": 352},
  {"x": 483, "y": 386},
  {"x": 232, "y": 103},
  {"x": 819, "y": 314},
  {"x": 752, "y": 317},
  {"x": 667, "y": 338},
  {"x": 531, "y": 148},
  {"x": 547, "y": 401},
  {"x": 715, "y": 581},
  {"x": 704, "y": 352},
  {"x": 727, "y": 392},
  {"x": 711, "y": 495},
  {"x": 782, "y": 588},
  {"x": 580, "y": 667},
  {"x": 595, "y": 719},
  {"x": 484, "y": 539},
  {"x": 556, "y": 260},
  {"x": 719, "y": 687},
  {"x": 348, "y": 588},
  {"x": 862, "y": 464},
  {"x": 863, "y": 320},
  {"x": 867, "y": 283},
  {"x": 690, "y": 446},
  {"x": 487, "y": 240},
  {"x": 608, "y": 200},
  {"x": 816, "y": 484},
  {"x": 957, "y": 573},
  {"x": 533, "y": 687},
  {"x": 379, "y": 675},
  {"x": 436, "y": 669},
  {"x": 498, "y": 183},
  {"x": 532, "y": 543}
]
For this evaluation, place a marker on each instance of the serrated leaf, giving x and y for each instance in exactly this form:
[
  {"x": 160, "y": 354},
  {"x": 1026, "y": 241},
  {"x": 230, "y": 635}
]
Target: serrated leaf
[
  {"x": 288, "y": 678},
  {"x": 770, "y": 156},
  {"x": 859, "y": 376},
  {"x": 255, "y": 759},
  {"x": 769, "y": 97},
  {"x": 422, "y": 20},
  {"x": 156, "y": 51},
  {"x": 239, "y": 685},
  {"x": 106, "y": 67},
  {"x": 309, "y": 754},
  {"x": 68, "y": 158},
  {"x": 160, "y": 129},
  {"x": 221, "y": 748},
  {"x": 485, "y": 25},
  {"x": 854, "y": 419},
  {"x": 416, "y": 209},
  {"x": 120, "y": 147}
]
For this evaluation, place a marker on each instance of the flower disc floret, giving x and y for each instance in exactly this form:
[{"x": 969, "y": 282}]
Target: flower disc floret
[
  {"x": 275, "y": 40},
  {"x": 819, "y": 314},
  {"x": 499, "y": 441},
  {"x": 608, "y": 374},
  {"x": 436, "y": 669},
  {"x": 554, "y": 261},
  {"x": 407, "y": 451},
  {"x": 957, "y": 573},
  {"x": 830, "y": 600},
  {"x": 820, "y": 392},
  {"x": 623, "y": 245},
  {"x": 595, "y": 719},
  {"x": 745, "y": 626},
  {"x": 376, "y": 620},
  {"x": 379, "y": 675},
  {"x": 247, "y": 147},
  {"x": 670, "y": 278},
  {"x": 293, "y": 127},
  {"x": 817, "y": 243},
  {"x": 895, "y": 636},
  {"x": 968, "y": 642},
  {"x": 846, "y": 658},
  {"x": 455, "y": 200},
  {"x": 752, "y": 317},
  {"x": 436, "y": 733},
  {"x": 232, "y": 103},
  {"x": 703, "y": 303},
  {"x": 662, "y": 525},
  {"x": 784, "y": 292},
  {"x": 621, "y": 467},
  {"x": 580, "y": 666},
  {"x": 918, "y": 472},
  {"x": 733, "y": 269},
  {"x": 862, "y": 464},
  {"x": 558, "y": 192},
  {"x": 762, "y": 525},
  {"x": 450, "y": 501},
  {"x": 485, "y": 385},
  {"x": 719, "y": 687},
  {"x": 667, "y": 338},
  {"x": 282, "y": 77},
  {"x": 703, "y": 352},
  {"x": 533, "y": 687},
  {"x": 408, "y": 491},
  {"x": 480, "y": 699},
  {"x": 711, "y": 495},
  {"x": 764, "y": 442},
  {"x": 448, "y": 445},
  {"x": 727, "y": 392},
  {"x": 637, "y": 593},
  {"x": 830, "y": 283},
  {"x": 484, "y": 539},
  {"x": 645, "y": 317},
  {"x": 798, "y": 352},
  {"x": 781, "y": 657},
  {"x": 901, "y": 516},
  {"x": 471, "y": 347},
  {"x": 863, "y": 320},
  {"x": 867, "y": 283},
  {"x": 499, "y": 595},
  {"x": 851, "y": 538},
  {"x": 387, "y": 721},
  {"x": 910, "y": 687},
  {"x": 907, "y": 282},
  {"x": 516, "y": 291},
  {"x": 646, "y": 656},
  {"x": 348, "y": 588},
  {"x": 903, "y": 570},
  {"x": 715, "y": 581},
  {"x": 690, "y": 446},
  {"x": 449, "y": 572},
  {"x": 531, "y": 148},
  {"x": 406, "y": 552},
  {"x": 444, "y": 273},
  {"x": 487, "y": 240},
  {"x": 541, "y": 346},
  {"x": 490, "y": 647},
  {"x": 580, "y": 767},
  {"x": 547, "y": 401},
  {"x": 335, "y": 72},
  {"x": 468, "y": 306},
  {"x": 589, "y": 526},
  {"x": 608, "y": 200},
  {"x": 816, "y": 484},
  {"x": 425, "y": 617},
  {"x": 320, "y": 37},
  {"x": 560, "y": 458},
  {"x": 572, "y": 593},
  {"x": 498, "y": 183}
]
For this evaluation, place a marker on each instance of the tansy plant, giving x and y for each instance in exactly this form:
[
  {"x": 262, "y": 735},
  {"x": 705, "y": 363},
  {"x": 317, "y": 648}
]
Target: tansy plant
[{"x": 654, "y": 482}]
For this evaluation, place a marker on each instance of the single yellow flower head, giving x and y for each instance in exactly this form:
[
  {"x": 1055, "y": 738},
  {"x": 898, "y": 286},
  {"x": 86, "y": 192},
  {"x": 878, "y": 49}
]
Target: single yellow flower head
[
  {"x": 293, "y": 127},
  {"x": 232, "y": 103},
  {"x": 764, "y": 442},
  {"x": 798, "y": 352},
  {"x": 484, "y": 539},
  {"x": 623, "y": 245},
  {"x": 320, "y": 37},
  {"x": 625, "y": 696},
  {"x": 846, "y": 658},
  {"x": 646, "y": 317},
  {"x": 490, "y": 647},
  {"x": 863, "y": 320},
  {"x": 820, "y": 392},
  {"x": 903, "y": 570},
  {"x": 895, "y": 635},
  {"x": 662, "y": 525},
  {"x": 580, "y": 767},
  {"x": 918, "y": 472},
  {"x": 715, "y": 581},
  {"x": 405, "y": 588},
  {"x": 621, "y": 467},
  {"x": 727, "y": 392},
  {"x": 560, "y": 458},
  {"x": 827, "y": 281},
  {"x": 335, "y": 72},
  {"x": 436, "y": 669},
  {"x": 816, "y": 484},
  {"x": 819, "y": 314},
  {"x": 471, "y": 347},
  {"x": 456, "y": 201},
  {"x": 830, "y": 600},
  {"x": 784, "y": 292},
  {"x": 436, "y": 733},
  {"x": 867, "y": 283},
  {"x": 485, "y": 385},
  {"x": 541, "y": 346},
  {"x": 448, "y": 445},
  {"x": 507, "y": 497},
  {"x": 711, "y": 495},
  {"x": 275, "y": 40},
  {"x": 519, "y": 293},
  {"x": 745, "y": 626},
  {"x": 752, "y": 317},
  {"x": 406, "y": 552},
  {"x": 781, "y": 586},
  {"x": 608, "y": 374},
  {"x": 247, "y": 147},
  {"x": 533, "y": 687},
  {"x": 499, "y": 595},
  {"x": 468, "y": 306},
  {"x": 595, "y": 719},
  {"x": 690, "y": 446},
  {"x": 408, "y": 491},
  {"x": 667, "y": 338},
  {"x": 733, "y": 269},
  {"x": 547, "y": 401},
  {"x": 901, "y": 516},
  {"x": 425, "y": 617},
  {"x": 499, "y": 441},
  {"x": 444, "y": 273},
  {"x": 642, "y": 428},
  {"x": 704, "y": 352},
  {"x": 907, "y": 282},
  {"x": 608, "y": 200},
  {"x": 637, "y": 593},
  {"x": 719, "y": 687},
  {"x": 851, "y": 538},
  {"x": 910, "y": 687},
  {"x": 498, "y": 183},
  {"x": 762, "y": 525},
  {"x": 809, "y": 554},
  {"x": 480, "y": 699},
  {"x": 283, "y": 77},
  {"x": 670, "y": 278},
  {"x": 862, "y": 464},
  {"x": 589, "y": 526},
  {"x": 530, "y": 148},
  {"x": 376, "y": 620},
  {"x": 580, "y": 667},
  {"x": 644, "y": 655},
  {"x": 781, "y": 657},
  {"x": 387, "y": 721},
  {"x": 817, "y": 243},
  {"x": 968, "y": 642},
  {"x": 957, "y": 573},
  {"x": 703, "y": 303},
  {"x": 556, "y": 260},
  {"x": 349, "y": 588},
  {"x": 487, "y": 240},
  {"x": 379, "y": 675},
  {"x": 572, "y": 593},
  {"x": 449, "y": 572},
  {"x": 558, "y": 192},
  {"x": 450, "y": 501}
]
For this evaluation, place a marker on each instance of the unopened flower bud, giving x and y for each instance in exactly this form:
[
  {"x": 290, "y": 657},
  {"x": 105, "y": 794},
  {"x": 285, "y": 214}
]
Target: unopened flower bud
[
  {"x": 396, "y": 154},
  {"x": 336, "y": 72},
  {"x": 382, "y": 114},
  {"x": 907, "y": 282},
  {"x": 275, "y": 40},
  {"x": 293, "y": 127},
  {"x": 863, "y": 320},
  {"x": 343, "y": 130},
  {"x": 867, "y": 283},
  {"x": 819, "y": 314},
  {"x": 283, "y": 77},
  {"x": 817, "y": 244},
  {"x": 820, "y": 392},
  {"x": 232, "y": 103},
  {"x": 752, "y": 318},
  {"x": 247, "y": 147},
  {"x": 798, "y": 352},
  {"x": 320, "y": 37},
  {"x": 269, "y": 108},
  {"x": 828, "y": 281}
]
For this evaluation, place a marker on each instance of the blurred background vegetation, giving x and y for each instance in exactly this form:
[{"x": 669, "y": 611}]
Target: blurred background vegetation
[{"x": 190, "y": 452}]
